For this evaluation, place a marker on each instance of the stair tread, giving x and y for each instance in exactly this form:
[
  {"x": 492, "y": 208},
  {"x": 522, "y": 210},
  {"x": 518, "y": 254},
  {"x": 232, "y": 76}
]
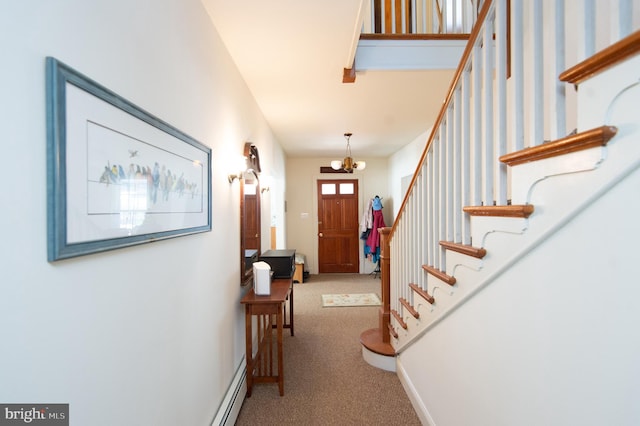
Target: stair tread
[
  {"x": 572, "y": 143},
  {"x": 392, "y": 331},
  {"x": 372, "y": 340},
  {"x": 398, "y": 318},
  {"x": 439, "y": 274},
  {"x": 477, "y": 252},
  {"x": 518, "y": 211},
  {"x": 602, "y": 60},
  {"x": 409, "y": 308},
  {"x": 423, "y": 293}
]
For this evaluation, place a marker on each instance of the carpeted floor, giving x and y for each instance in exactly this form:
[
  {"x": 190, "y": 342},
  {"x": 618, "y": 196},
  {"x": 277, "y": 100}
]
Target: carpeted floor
[{"x": 326, "y": 381}]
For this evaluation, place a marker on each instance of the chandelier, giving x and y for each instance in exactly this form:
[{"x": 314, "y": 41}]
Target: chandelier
[{"x": 348, "y": 164}]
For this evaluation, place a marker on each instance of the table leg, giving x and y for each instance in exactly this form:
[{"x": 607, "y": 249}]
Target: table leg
[
  {"x": 279, "y": 324},
  {"x": 249, "y": 354},
  {"x": 291, "y": 309}
]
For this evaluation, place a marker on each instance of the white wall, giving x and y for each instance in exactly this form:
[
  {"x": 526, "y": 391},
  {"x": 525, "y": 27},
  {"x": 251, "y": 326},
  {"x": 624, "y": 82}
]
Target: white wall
[
  {"x": 145, "y": 335},
  {"x": 402, "y": 164},
  {"x": 273, "y": 201},
  {"x": 302, "y": 206}
]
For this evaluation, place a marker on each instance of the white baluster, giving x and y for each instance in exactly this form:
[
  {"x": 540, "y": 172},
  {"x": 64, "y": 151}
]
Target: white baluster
[
  {"x": 487, "y": 107},
  {"x": 465, "y": 186},
  {"x": 501, "y": 102}
]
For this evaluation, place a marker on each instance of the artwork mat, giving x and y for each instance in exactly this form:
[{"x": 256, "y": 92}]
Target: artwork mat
[{"x": 76, "y": 108}]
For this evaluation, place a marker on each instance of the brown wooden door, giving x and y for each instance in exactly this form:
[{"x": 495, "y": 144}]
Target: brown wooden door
[{"x": 338, "y": 239}]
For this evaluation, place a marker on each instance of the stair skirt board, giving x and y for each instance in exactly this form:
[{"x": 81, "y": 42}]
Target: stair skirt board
[
  {"x": 383, "y": 362},
  {"x": 230, "y": 407}
]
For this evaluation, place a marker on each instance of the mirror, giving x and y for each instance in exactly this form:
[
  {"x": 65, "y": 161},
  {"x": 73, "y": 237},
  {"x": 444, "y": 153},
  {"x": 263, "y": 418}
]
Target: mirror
[{"x": 249, "y": 215}]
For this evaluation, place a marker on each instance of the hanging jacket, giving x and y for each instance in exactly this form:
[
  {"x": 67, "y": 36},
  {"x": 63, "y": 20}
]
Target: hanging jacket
[
  {"x": 373, "y": 241},
  {"x": 367, "y": 218}
]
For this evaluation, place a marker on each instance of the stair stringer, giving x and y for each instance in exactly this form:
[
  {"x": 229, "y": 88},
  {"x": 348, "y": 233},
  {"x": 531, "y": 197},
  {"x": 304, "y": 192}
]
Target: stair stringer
[
  {"x": 505, "y": 246},
  {"x": 607, "y": 95},
  {"x": 467, "y": 270},
  {"x": 564, "y": 186},
  {"x": 529, "y": 175},
  {"x": 444, "y": 295},
  {"x": 469, "y": 273}
]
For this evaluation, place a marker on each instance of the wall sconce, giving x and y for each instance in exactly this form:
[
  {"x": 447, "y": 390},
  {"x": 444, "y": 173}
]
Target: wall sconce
[
  {"x": 265, "y": 184},
  {"x": 235, "y": 176},
  {"x": 241, "y": 165},
  {"x": 249, "y": 161}
]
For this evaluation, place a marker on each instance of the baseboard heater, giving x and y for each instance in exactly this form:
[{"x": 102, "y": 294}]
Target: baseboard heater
[{"x": 232, "y": 402}]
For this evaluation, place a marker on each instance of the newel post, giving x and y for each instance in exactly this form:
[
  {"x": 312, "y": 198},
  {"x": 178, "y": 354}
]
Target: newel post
[
  {"x": 385, "y": 284},
  {"x": 378, "y": 340}
]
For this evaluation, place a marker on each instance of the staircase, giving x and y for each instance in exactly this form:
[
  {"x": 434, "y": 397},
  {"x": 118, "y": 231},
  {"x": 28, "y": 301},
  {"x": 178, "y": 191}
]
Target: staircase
[
  {"x": 526, "y": 150},
  {"x": 468, "y": 271}
]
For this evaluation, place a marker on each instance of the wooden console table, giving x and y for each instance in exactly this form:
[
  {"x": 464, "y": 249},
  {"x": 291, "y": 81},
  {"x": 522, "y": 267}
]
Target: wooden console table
[{"x": 260, "y": 367}]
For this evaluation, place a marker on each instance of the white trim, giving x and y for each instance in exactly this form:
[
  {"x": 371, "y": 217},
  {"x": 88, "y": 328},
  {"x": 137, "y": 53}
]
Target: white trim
[
  {"x": 363, "y": 9},
  {"x": 376, "y": 55},
  {"x": 229, "y": 409},
  {"x": 383, "y": 362},
  {"x": 412, "y": 393},
  {"x": 314, "y": 266}
]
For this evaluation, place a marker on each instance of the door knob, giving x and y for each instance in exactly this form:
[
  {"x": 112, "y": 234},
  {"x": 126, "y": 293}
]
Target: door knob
[{"x": 320, "y": 235}]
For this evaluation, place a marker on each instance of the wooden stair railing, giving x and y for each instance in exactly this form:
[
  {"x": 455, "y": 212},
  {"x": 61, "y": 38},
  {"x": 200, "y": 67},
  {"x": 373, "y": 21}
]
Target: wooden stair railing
[
  {"x": 593, "y": 138},
  {"x": 599, "y": 136}
]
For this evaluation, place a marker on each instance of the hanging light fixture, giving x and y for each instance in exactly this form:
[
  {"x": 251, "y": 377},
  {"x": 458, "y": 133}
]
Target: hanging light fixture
[{"x": 348, "y": 164}]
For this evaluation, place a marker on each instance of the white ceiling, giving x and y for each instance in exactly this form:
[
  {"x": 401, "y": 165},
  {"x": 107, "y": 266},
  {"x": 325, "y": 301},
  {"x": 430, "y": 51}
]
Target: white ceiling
[{"x": 291, "y": 54}]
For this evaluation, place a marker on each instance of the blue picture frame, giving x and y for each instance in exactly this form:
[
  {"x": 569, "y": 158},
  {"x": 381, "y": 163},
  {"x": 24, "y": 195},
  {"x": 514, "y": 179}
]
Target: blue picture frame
[{"x": 117, "y": 176}]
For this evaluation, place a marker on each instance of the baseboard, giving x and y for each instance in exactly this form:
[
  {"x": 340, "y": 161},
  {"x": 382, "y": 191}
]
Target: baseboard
[
  {"x": 416, "y": 402},
  {"x": 230, "y": 407}
]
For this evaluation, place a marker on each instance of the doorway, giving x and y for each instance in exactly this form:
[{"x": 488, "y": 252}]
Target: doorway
[{"x": 338, "y": 239}]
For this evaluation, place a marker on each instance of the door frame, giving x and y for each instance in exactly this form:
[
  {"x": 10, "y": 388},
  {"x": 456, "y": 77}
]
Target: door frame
[
  {"x": 354, "y": 227},
  {"x": 316, "y": 243}
]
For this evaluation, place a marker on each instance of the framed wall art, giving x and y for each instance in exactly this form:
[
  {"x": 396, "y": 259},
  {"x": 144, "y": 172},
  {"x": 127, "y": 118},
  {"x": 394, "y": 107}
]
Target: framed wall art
[{"x": 117, "y": 176}]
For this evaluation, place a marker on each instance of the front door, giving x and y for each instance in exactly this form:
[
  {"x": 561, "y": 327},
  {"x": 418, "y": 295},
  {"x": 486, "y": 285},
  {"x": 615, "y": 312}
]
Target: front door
[{"x": 338, "y": 239}]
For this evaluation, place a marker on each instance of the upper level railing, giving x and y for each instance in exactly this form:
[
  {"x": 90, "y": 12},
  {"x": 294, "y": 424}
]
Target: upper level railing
[
  {"x": 420, "y": 17},
  {"x": 506, "y": 95}
]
